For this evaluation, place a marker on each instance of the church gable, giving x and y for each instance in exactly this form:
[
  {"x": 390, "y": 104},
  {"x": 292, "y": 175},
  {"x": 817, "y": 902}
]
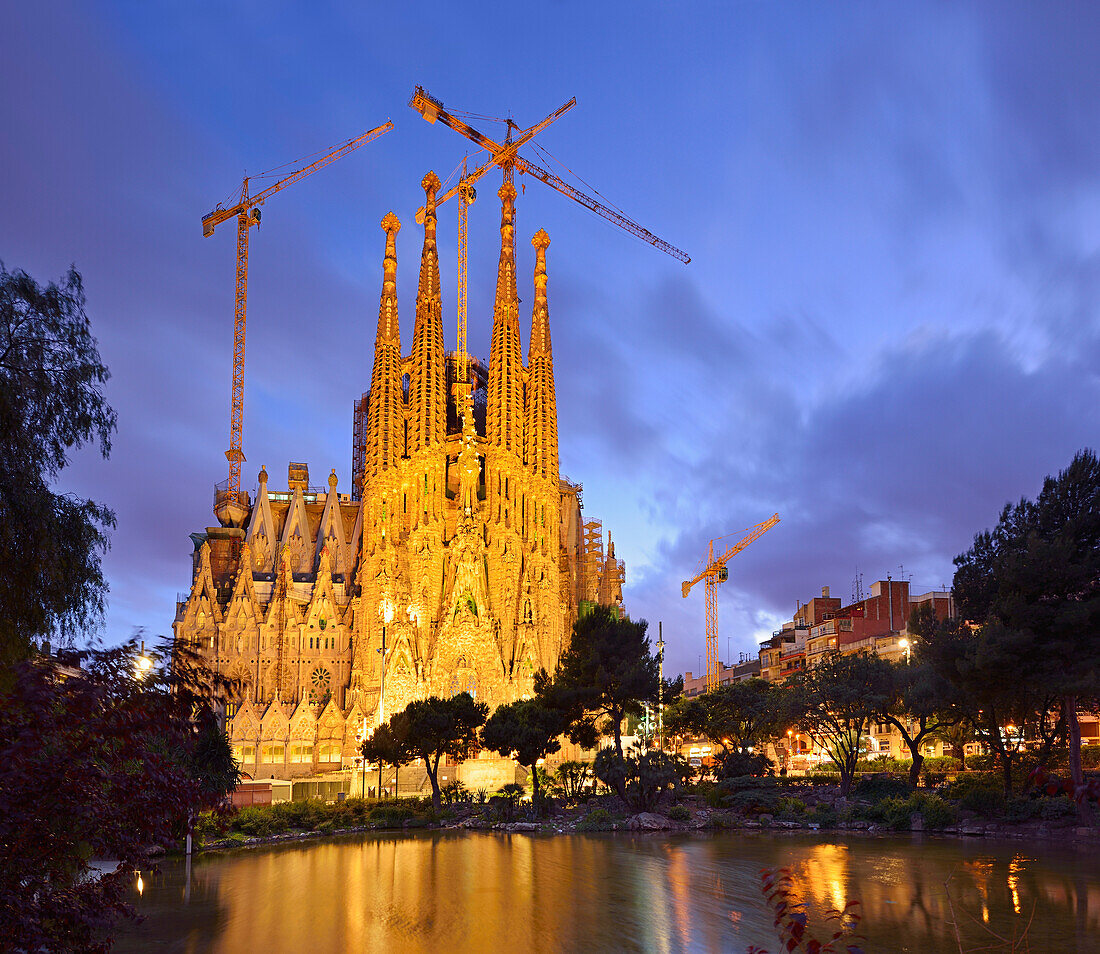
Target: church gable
[
  {"x": 330, "y": 725},
  {"x": 203, "y": 612},
  {"x": 330, "y": 532},
  {"x": 245, "y": 724},
  {"x": 297, "y": 540},
  {"x": 244, "y": 608},
  {"x": 303, "y": 723},
  {"x": 275, "y": 724},
  {"x": 262, "y": 533}
]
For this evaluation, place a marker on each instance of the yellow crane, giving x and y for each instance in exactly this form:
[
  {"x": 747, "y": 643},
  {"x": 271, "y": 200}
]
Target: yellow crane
[
  {"x": 714, "y": 572},
  {"x": 505, "y": 155},
  {"x": 228, "y": 503},
  {"x": 499, "y": 155}
]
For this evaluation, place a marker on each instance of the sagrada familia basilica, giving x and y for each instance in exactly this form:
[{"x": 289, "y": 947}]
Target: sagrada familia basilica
[{"x": 459, "y": 559}]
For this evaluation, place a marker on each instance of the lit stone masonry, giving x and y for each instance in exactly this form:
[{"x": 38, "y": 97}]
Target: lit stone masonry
[{"x": 459, "y": 539}]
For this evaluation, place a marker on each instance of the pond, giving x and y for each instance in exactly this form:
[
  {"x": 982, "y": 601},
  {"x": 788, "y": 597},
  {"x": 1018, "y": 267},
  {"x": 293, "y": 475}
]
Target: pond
[{"x": 448, "y": 891}]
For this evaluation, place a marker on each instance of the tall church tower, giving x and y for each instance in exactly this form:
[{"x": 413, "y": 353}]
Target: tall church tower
[
  {"x": 505, "y": 409},
  {"x": 427, "y": 376},
  {"x": 385, "y": 415}
]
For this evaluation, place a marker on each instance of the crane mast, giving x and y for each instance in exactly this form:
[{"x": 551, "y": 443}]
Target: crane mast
[
  {"x": 713, "y": 573},
  {"x": 229, "y": 504},
  {"x": 466, "y": 195}
]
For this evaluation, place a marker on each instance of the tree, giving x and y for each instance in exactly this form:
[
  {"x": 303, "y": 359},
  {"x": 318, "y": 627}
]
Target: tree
[
  {"x": 385, "y": 748},
  {"x": 608, "y": 670},
  {"x": 1034, "y": 582},
  {"x": 643, "y": 776},
  {"x": 526, "y": 730},
  {"x": 51, "y": 402},
  {"x": 573, "y": 778},
  {"x": 918, "y": 702},
  {"x": 957, "y": 735},
  {"x": 433, "y": 727},
  {"x": 97, "y": 763},
  {"x": 986, "y": 666},
  {"x": 736, "y": 717},
  {"x": 834, "y": 703}
]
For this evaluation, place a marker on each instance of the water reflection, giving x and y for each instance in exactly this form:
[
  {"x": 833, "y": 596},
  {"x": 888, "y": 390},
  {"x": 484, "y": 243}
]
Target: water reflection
[{"x": 481, "y": 892}]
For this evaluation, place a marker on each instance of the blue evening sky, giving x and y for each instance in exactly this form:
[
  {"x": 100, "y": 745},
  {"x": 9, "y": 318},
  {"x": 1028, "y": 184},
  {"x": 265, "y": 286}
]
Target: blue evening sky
[{"x": 888, "y": 329}]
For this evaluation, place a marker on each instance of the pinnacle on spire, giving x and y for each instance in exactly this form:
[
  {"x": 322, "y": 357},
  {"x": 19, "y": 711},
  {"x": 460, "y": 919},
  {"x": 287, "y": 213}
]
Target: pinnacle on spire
[
  {"x": 429, "y": 262},
  {"x": 388, "y": 327},
  {"x": 427, "y": 381},
  {"x": 540, "y": 312},
  {"x": 540, "y": 422},
  {"x": 505, "y": 399},
  {"x": 384, "y": 413}
]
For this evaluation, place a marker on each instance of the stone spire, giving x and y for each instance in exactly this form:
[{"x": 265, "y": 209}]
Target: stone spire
[
  {"x": 505, "y": 399},
  {"x": 541, "y": 421},
  {"x": 427, "y": 382},
  {"x": 385, "y": 423}
]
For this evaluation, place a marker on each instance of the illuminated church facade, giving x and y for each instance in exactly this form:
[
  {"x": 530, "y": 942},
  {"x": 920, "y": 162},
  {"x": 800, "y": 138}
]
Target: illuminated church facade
[{"x": 459, "y": 560}]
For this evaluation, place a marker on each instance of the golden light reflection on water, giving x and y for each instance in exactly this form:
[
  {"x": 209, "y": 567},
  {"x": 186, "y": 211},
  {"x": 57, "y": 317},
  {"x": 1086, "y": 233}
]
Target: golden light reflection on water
[{"x": 428, "y": 892}]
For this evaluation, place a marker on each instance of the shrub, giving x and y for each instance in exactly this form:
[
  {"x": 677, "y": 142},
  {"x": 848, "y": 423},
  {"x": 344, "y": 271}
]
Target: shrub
[
  {"x": 256, "y": 820},
  {"x": 981, "y": 793},
  {"x": 823, "y": 815},
  {"x": 1021, "y": 808},
  {"x": 1090, "y": 756},
  {"x": 679, "y": 813},
  {"x": 736, "y": 764},
  {"x": 1055, "y": 808},
  {"x": 455, "y": 792},
  {"x": 758, "y": 795},
  {"x": 877, "y": 787},
  {"x": 941, "y": 763},
  {"x": 897, "y": 813},
  {"x": 390, "y": 816},
  {"x": 793, "y": 807},
  {"x": 599, "y": 819}
]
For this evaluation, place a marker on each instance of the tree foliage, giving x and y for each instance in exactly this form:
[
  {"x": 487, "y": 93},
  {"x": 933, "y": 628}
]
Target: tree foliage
[
  {"x": 95, "y": 763},
  {"x": 51, "y": 402},
  {"x": 917, "y": 701},
  {"x": 526, "y": 730},
  {"x": 735, "y": 717},
  {"x": 834, "y": 703},
  {"x": 607, "y": 671},
  {"x": 641, "y": 777},
  {"x": 431, "y": 728},
  {"x": 1030, "y": 587}
]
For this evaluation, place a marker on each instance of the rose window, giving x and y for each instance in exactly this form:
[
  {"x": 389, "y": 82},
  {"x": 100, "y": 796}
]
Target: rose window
[{"x": 321, "y": 683}]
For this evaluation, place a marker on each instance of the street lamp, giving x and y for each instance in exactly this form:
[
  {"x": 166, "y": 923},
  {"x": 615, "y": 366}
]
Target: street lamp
[
  {"x": 387, "y": 616},
  {"x": 904, "y": 644},
  {"x": 142, "y": 664},
  {"x": 660, "y": 687}
]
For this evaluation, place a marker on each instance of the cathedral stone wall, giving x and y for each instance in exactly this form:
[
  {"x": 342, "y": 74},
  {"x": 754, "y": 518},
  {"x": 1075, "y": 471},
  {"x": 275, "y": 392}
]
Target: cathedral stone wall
[{"x": 459, "y": 563}]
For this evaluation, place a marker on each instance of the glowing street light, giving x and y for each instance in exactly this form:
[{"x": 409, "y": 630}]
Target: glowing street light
[
  {"x": 904, "y": 644},
  {"x": 142, "y": 664}
]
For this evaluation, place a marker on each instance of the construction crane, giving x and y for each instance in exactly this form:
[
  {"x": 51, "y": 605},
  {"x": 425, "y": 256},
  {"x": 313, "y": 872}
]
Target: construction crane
[
  {"x": 713, "y": 573},
  {"x": 431, "y": 109},
  {"x": 228, "y": 503},
  {"x": 505, "y": 155}
]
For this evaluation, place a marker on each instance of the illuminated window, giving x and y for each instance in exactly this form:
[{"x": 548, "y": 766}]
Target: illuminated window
[
  {"x": 328, "y": 752},
  {"x": 244, "y": 753},
  {"x": 301, "y": 752},
  {"x": 273, "y": 752}
]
